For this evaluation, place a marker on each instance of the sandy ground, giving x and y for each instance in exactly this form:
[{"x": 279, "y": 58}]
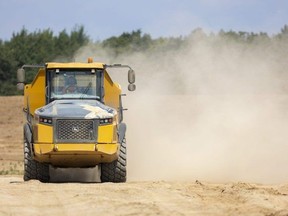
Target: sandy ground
[
  {"x": 140, "y": 198},
  {"x": 132, "y": 198}
]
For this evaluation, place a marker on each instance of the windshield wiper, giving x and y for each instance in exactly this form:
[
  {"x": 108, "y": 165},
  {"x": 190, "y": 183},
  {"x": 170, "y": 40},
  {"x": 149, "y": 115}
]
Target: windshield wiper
[{"x": 86, "y": 90}]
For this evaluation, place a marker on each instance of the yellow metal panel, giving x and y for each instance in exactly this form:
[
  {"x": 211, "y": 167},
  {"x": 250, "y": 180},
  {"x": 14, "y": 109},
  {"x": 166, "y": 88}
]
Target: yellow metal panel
[
  {"x": 34, "y": 94},
  {"x": 45, "y": 133},
  {"x": 108, "y": 148},
  {"x": 55, "y": 65},
  {"x": 73, "y": 148},
  {"x": 70, "y": 148},
  {"x": 112, "y": 92},
  {"x": 76, "y": 155},
  {"x": 106, "y": 133},
  {"x": 26, "y": 93},
  {"x": 40, "y": 149}
]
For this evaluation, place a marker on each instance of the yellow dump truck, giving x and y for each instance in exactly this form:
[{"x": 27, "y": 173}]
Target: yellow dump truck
[{"x": 74, "y": 119}]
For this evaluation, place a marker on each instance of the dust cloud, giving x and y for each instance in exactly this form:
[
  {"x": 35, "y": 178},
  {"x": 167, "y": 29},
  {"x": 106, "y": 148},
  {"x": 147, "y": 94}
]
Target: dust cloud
[{"x": 214, "y": 110}]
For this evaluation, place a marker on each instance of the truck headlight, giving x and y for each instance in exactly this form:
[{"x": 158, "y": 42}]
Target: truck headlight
[
  {"x": 43, "y": 120},
  {"x": 106, "y": 121}
]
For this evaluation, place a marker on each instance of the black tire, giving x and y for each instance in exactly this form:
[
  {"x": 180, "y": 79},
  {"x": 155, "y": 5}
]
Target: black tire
[
  {"x": 43, "y": 172},
  {"x": 32, "y": 168},
  {"x": 116, "y": 170}
]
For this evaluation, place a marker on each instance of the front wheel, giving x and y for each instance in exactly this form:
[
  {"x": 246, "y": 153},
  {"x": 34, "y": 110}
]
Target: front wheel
[
  {"x": 116, "y": 170},
  {"x": 32, "y": 168}
]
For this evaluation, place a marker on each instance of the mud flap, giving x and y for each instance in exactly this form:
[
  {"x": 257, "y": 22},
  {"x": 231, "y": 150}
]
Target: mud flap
[{"x": 121, "y": 131}]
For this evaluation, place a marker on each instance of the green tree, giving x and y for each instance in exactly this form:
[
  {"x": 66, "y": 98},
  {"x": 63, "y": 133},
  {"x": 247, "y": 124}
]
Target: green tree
[
  {"x": 128, "y": 42},
  {"x": 35, "y": 48}
]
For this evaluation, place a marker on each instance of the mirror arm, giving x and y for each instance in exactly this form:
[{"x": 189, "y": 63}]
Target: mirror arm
[
  {"x": 116, "y": 66},
  {"x": 33, "y": 66}
]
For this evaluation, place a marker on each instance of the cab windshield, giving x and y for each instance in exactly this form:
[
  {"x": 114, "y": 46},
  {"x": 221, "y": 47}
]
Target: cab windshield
[{"x": 74, "y": 85}]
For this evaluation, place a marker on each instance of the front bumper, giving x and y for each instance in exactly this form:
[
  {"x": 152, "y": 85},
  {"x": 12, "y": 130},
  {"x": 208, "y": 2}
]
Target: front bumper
[{"x": 75, "y": 155}]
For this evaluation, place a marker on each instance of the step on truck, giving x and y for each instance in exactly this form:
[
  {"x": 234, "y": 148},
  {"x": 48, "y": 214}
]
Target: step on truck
[{"x": 74, "y": 119}]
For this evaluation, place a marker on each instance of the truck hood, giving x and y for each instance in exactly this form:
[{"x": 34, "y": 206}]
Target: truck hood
[{"x": 76, "y": 109}]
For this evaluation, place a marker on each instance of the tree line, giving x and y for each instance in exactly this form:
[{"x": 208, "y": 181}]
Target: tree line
[{"x": 44, "y": 46}]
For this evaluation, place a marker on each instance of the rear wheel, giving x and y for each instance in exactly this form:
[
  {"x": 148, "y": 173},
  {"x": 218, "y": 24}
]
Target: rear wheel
[
  {"x": 32, "y": 168},
  {"x": 116, "y": 170}
]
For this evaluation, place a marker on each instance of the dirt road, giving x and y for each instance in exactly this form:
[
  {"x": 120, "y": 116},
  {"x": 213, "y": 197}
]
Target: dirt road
[
  {"x": 136, "y": 197},
  {"x": 140, "y": 198}
]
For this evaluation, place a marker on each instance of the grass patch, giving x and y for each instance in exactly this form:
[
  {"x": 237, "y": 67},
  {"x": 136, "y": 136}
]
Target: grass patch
[{"x": 11, "y": 168}]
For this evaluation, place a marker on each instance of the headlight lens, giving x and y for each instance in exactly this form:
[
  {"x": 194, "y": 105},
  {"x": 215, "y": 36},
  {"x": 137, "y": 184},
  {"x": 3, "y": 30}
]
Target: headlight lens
[
  {"x": 106, "y": 121},
  {"x": 43, "y": 120}
]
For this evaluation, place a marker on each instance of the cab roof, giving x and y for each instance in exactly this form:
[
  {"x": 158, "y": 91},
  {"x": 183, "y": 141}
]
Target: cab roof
[{"x": 55, "y": 65}]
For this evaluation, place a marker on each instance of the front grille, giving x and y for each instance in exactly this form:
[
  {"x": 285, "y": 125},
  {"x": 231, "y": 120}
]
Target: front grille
[{"x": 75, "y": 130}]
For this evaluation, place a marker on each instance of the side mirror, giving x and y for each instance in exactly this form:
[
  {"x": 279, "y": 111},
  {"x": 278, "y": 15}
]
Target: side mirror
[
  {"x": 20, "y": 86},
  {"x": 131, "y": 87},
  {"x": 131, "y": 76},
  {"x": 21, "y": 75}
]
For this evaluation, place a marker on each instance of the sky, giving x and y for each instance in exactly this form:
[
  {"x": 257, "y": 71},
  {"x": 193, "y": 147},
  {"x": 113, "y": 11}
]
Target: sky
[{"x": 159, "y": 18}]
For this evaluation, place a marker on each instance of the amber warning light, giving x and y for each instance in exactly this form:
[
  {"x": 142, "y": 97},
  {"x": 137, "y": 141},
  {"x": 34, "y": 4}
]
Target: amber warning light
[{"x": 90, "y": 60}]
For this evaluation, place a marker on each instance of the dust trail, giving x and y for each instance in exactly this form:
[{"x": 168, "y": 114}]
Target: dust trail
[{"x": 215, "y": 110}]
